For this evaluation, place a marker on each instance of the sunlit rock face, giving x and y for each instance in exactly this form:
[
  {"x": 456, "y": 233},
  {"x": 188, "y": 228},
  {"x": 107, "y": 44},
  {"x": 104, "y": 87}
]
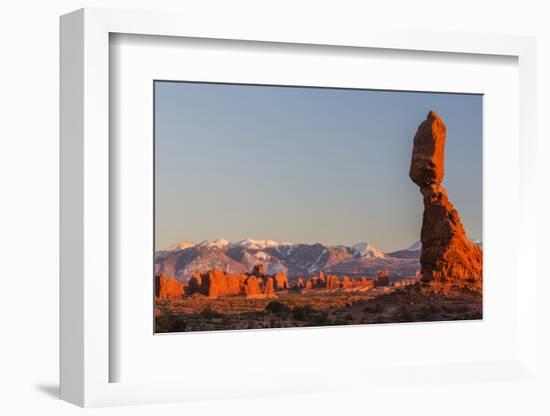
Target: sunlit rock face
[
  {"x": 252, "y": 287},
  {"x": 347, "y": 282},
  {"x": 167, "y": 288},
  {"x": 447, "y": 255},
  {"x": 333, "y": 282},
  {"x": 269, "y": 288},
  {"x": 281, "y": 281},
  {"x": 216, "y": 283}
]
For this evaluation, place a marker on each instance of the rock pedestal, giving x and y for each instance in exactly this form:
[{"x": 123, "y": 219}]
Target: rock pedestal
[{"x": 447, "y": 254}]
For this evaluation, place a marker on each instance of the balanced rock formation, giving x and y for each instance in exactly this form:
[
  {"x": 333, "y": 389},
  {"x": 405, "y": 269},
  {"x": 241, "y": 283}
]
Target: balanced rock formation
[
  {"x": 167, "y": 288},
  {"x": 447, "y": 255}
]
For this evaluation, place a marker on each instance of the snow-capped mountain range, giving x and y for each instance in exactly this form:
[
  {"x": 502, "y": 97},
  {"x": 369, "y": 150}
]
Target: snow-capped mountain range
[
  {"x": 415, "y": 246},
  {"x": 367, "y": 250},
  {"x": 362, "y": 249},
  {"x": 182, "y": 259}
]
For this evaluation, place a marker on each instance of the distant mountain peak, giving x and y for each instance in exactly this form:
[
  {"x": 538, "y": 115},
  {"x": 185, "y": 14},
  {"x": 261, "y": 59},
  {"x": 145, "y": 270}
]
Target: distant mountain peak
[
  {"x": 218, "y": 243},
  {"x": 417, "y": 245},
  {"x": 286, "y": 243},
  {"x": 252, "y": 244},
  {"x": 365, "y": 249},
  {"x": 180, "y": 245}
]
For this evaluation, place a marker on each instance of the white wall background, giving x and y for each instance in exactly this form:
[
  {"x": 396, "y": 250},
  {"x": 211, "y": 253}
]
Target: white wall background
[{"x": 29, "y": 196}]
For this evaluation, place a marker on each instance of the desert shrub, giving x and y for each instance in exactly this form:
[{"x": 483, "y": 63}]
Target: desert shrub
[
  {"x": 208, "y": 313},
  {"x": 277, "y": 307},
  {"x": 179, "y": 324},
  {"x": 427, "y": 312},
  {"x": 374, "y": 308},
  {"x": 403, "y": 315},
  {"x": 226, "y": 321},
  {"x": 170, "y": 323},
  {"x": 472, "y": 315},
  {"x": 162, "y": 323},
  {"x": 303, "y": 313},
  {"x": 320, "y": 319},
  {"x": 460, "y": 308}
]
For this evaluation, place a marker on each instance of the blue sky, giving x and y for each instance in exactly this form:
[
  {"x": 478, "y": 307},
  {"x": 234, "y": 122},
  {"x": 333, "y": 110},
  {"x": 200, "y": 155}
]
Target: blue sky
[{"x": 305, "y": 164}]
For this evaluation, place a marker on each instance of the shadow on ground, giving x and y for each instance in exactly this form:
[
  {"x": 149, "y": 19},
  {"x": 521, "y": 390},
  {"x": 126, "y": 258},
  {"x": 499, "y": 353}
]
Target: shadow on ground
[{"x": 51, "y": 390}]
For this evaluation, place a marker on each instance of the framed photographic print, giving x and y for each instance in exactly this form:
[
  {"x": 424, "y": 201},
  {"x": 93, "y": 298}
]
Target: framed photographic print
[
  {"x": 323, "y": 173},
  {"x": 266, "y": 204}
]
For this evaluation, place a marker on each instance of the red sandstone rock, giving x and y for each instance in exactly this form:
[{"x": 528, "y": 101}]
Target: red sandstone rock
[
  {"x": 319, "y": 281},
  {"x": 233, "y": 285},
  {"x": 213, "y": 282},
  {"x": 333, "y": 282},
  {"x": 174, "y": 289},
  {"x": 364, "y": 282},
  {"x": 347, "y": 283},
  {"x": 281, "y": 281},
  {"x": 216, "y": 283},
  {"x": 269, "y": 288},
  {"x": 252, "y": 287},
  {"x": 447, "y": 254},
  {"x": 427, "y": 163},
  {"x": 167, "y": 288},
  {"x": 160, "y": 286},
  {"x": 308, "y": 285},
  {"x": 300, "y": 283}
]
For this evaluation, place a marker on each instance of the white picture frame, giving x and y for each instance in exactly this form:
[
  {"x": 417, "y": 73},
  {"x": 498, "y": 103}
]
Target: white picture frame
[{"x": 85, "y": 353}]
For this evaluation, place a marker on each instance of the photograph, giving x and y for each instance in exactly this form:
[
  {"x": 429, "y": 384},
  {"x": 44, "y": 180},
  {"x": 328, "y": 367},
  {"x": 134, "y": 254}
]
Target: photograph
[
  {"x": 300, "y": 206},
  {"x": 204, "y": 200}
]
